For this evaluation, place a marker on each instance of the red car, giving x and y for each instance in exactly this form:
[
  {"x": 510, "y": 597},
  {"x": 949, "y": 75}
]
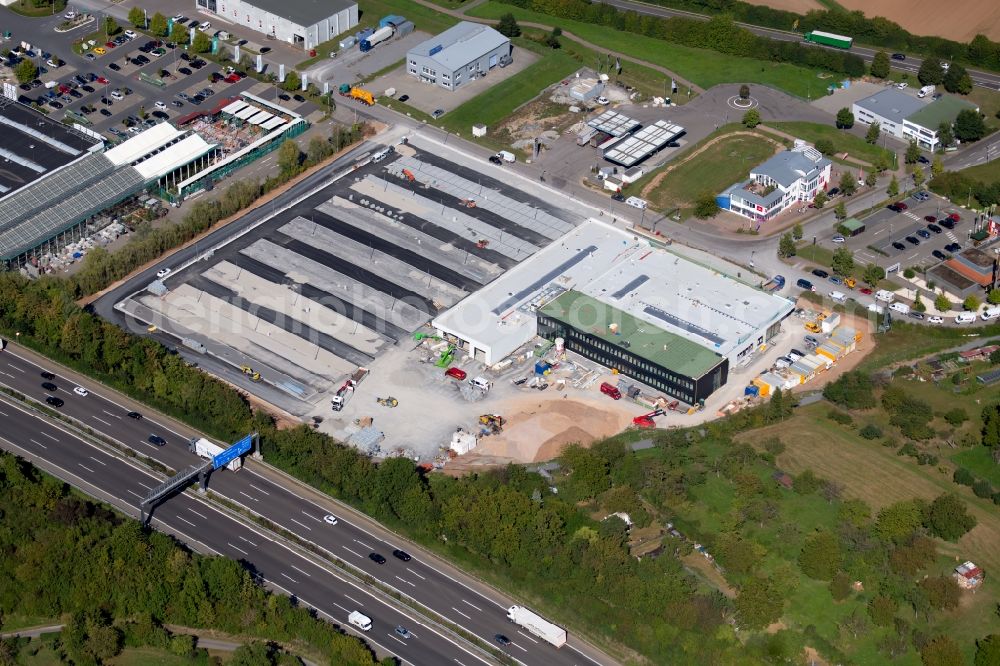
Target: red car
[
  {"x": 930, "y": 218},
  {"x": 63, "y": 88},
  {"x": 103, "y": 81},
  {"x": 232, "y": 78},
  {"x": 455, "y": 373},
  {"x": 956, "y": 217},
  {"x": 109, "y": 45},
  {"x": 866, "y": 291},
  {"x": 611, "y": 391}
]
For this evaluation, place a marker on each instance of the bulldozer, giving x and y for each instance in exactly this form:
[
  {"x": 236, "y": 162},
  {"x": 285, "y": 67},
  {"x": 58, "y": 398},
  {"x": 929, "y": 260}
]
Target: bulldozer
[
  {"x": 387, "y": 402},
  {"x": 812, "y": 327},
  {"x": 468, "y": 203},
  {"x": 250, "y": 372}
]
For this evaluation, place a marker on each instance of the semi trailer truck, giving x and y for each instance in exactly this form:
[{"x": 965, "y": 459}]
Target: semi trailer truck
[
  {"x": 829, "y": 39},
  {"x": 376, "y": 38},
  {"x": 537, "y": 625}
]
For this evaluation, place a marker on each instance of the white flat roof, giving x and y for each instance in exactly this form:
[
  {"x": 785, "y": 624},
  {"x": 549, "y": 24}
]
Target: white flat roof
[
  {"x": 232, "y": 108},
  {"x": 651, "y": 138},
  {"x": 142, "y": 144},
  {"x": 250, "y": 110},
  {"x": 273, "y": 123},
  {"x": 260, "y": 118},
  {"x": 609, "y": 264},
  {"x": 177, "y": 155},
  {"x": 613, "y": 123}
]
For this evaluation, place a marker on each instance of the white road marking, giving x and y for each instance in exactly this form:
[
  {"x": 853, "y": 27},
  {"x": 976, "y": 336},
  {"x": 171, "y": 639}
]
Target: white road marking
[
  {"x": 354, "y": 600},
  {"x": 339, "y": 606},
  {"x": 197, "y": 514},
  {"x": 393, "y": 637},
  {"x": 527, "y": 636},
  {"x": 249, "y": 541},
  {"x": 351, "y": 551},
  {"x": 98, "y": 418},
  {"x": 8, "y": 374},
  {"x": 4, "y": 414},
  {"x": 144, "y": 485},
  {"x": 309, "y": 515},
  {"x": 301, "y": 571},
  {"x": 405, "y": 581},
  {"x": 86, "y": 468},
  {"x": 14, "y": 367},
  {"x": 35, "y": 441},
  {"x": 300, "y": 523},
  {"x": 237, "y": 548},
  {"x": 415, "y": 573},
  {"x": 134, "y": 493},
  {"x": 99, "y": 462},
  {"x": 518, "y": 646},
  {"x": 110, "y": 414},
  {"x": 289, "y": 577},
  {"x": 50, "y": 436},
  {"x": 363, "y": 544},
  {"x": 461, "y": 613},
  {"x": 473, "y": 605},
  {"x": 260, "y": 489},
  {"x": 186, "y": 521},
  {"x": 250, "y": 496}
]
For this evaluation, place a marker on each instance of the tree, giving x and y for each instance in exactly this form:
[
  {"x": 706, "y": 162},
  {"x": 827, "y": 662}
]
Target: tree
[
  {"x": 957, "y": 80},
  {"x": 898, "y": 521},
  {"x": 991, "y": 429},
  {"x": 852, "y": 390},
  {"x": 292, "y": 81},
  {"x": 820, "y": 199},
  {"x": 948, "y": 517},
  {"x": 871, "y": 179},
  {"x": 158, "y": 25},
  {"x": 873, "y": 133},
  {"x": 843, "y": 262},
  {"x": 202, "y": 43},
  {"x": 873, "y": 274},
  {"x": 137, "y": 17},
  {"x": 751, "y": 118},
  {"x": 918, "y": 303},
  {"x": 508, "y": 26},
  {"x": 882, "y": 610},
  {"x": 912, "y": 153},
  {"x": 845, "y": 119},
  {"x": 893, "y": 189},
  {"x": 825, "y": 146},
  {"x": 856, "y": 624},
  {"x": 993, "y": 298},
  {"x": 969, "y": 125},
  {"x": 941, "y": 303},
  {"x": 744, "y": 91},
  {"x": 848, "y": 183},
  {"x": 289, "y": 156},
  {"x": 971, "y": 303},
  {"x": 820, "y": 555},
  {"x": 930, "y": 72},
  {"x": 180, "y": 34},
  {"x": 941, "y": 651},
  {"x": 797, "y": 231},
  {"x": 786, "y": 246},
  {"x": 705, "y": 206},
  {"x": 111, "y": 26},
  {"x": 25, "y": 71},
  {"x": 880, "y": 65},
  {"x": 840, "y": 586},
  {"x": 942, "y": 592},
  {"x": 758, "y": 604},
  {"x": 840, "y": 211},
  {"x": 946, "y": 136},
  {"x": 937, "y": 166},
  {"x": 918, "y": 176},
  {"x": 552, "y": 39},
  {"x": 987, "y": 649}
]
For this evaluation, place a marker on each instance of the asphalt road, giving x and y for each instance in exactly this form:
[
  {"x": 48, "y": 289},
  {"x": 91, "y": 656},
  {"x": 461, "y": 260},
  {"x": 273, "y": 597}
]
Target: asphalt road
[
  {"x": 208, "y": 530},
  {"x": 439, "y": 587},
  {"x": 911, "y": 64}
]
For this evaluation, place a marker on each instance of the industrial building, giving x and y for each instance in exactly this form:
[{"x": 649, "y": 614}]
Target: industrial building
[
  {"x": 907, "y": 117},
  {"x": 789, "y": 178},
  {"x": 305, "y": 23},
  {"x": 972, "y": 272},
  {"x": 460, "y": 54},
  {"x": 649, "y": 313}
]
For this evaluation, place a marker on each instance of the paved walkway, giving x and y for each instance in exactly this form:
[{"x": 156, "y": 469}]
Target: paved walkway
[{"x": 460, "y": 14}]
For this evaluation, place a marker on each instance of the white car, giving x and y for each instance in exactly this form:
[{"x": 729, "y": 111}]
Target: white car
[
  {"x": 178, "y": 17},
  {"x": 161, "y": 106},
  {"x": 163, "y": 272},
  {"x": 79, "y": 390},
  {"x": 330, "y": 520},
  {"x": 902, "y": 84},
  {"x": 130, "y": 34},
  {"x": 205, "y": 26},
  {"x": 934, "y": 319},
  {"x": 838, "y": 239},
  {"x": 966, "y": 318}
]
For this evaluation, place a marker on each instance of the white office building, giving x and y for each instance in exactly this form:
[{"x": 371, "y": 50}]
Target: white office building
[
  {"x": 304, "y": 23},
  {"x": 906, "y": 117},
  {"x": 789, "y": 178},
  {"x": 460, "y": 54}
]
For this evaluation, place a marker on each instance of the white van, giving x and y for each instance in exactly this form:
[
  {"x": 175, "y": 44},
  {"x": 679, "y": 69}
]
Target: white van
[
  {"x": 901, "y": 308},
  {"x": 480, "y": 383},
  {"x": 382, "y": 154},
  {"x": 876, "y": 308},
  {"x": 636, "y": 202},
  {"x": 965, "y": 318},
  {"x": 360, "y": 620},
  {"x": 838, "y": 296},
  {"x": 884, "y": 296},
  {"x": 925, "y": 91},
  {"x": 991, "y": 313}
]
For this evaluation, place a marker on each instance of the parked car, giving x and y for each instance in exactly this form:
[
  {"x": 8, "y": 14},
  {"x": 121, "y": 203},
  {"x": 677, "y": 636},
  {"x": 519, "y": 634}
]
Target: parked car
[
  {"x": 935, "y": 319},
  {"x": 838, "y": 239},
  {"x": 938, "y": 254},
  {"x": 836, "y": 280},
  {"x": 866, "y": 291},
  {"x": 953, "y": 247},
  {"x": 833, "y": 192},
  {"x": 456, "y": 373},
  {"x": 805, "y": 284},
  {"x": 898, "y": 245},
  {"x": 820, "y": 273},
  {"x": 437, "y": 113},
  {"x": 935, "y": 228},
  {"x": 185, "y": 71},
  {"x": 923, "y": 233},
  {"x": 913, "y": 240},
  {"x": 404, "y": 98},
  {"x": 915, "y": 314},
  {"x": 617, "y": 196}
]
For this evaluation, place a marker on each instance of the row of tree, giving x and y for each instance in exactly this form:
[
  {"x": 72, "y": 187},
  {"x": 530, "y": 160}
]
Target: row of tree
[
  {"x": 961, "y": 187},
  {"x": 720, "y": 33}
]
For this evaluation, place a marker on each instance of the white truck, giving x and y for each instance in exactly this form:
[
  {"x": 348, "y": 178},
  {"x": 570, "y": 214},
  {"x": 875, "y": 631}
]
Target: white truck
[
  {"x": 360, "y": 620},
  {"x": 345, "y": 392},
  {"x": 207, "y": 450},
  {"x": 925, "y": 91},
  {"x": 506, "y": 156},
  {"x": 3, "y": 344},
  {"x": 537, "y": 625}
]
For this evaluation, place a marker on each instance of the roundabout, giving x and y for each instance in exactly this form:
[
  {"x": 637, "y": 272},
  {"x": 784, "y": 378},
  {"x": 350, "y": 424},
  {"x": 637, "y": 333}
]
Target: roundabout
[{"x": 740, "y": 104}]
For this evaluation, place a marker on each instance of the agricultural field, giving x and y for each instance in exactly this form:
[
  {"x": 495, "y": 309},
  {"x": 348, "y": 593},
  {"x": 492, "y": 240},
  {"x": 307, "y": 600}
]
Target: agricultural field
[{"x": 961, "y": 20}]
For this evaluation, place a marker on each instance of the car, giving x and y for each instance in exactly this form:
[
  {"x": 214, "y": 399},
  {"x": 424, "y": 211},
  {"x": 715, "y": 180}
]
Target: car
[
  {"x": 54, "y": 401},
  {"x": 455, "y": 373},
  {"x": 820, "y": 273},
  {"x": 330, "y": 520},
  {"x": 205, "y": 26},
  {"x": 912, "y": 240},
  {"x": 938, "y": 254},
  {"x": 376, "y": 558},
  {"x": 162, "y": 115},
  {"x": 935, "y": 228},
  {"x": 404, "y": 98},
  {"x": 185, "y": 56},
  {"x": 952, "y": 247},
  {"x": 893, "y": 207},
  {"x": 197, "y": 100},
  {"x": 232, "y": 78},
  {"x": 617, "y": 196},
  {"x": 298, "y": 98},
  {"x": 91, "y": 56},
  {"x": 923, "y": 233},
  {"x": 109, "y": 45},
  {"x": 955, "y": 217},
  {"x": 866, "y": 291},
  {"x": 163, "y": 272},
  {"x": 496, "y": 160},
  {"x": 947, "y": 222},
  {"x": 902, "y": 85},
  {"x": 836, "y": 280},
  {"x": 930, "y": 218},
  {"x": 117, "y": 96},
  {"x": 501, "y": 640},
  {"x": 915, "y": 315},
  {"x": 936, "y": 96},
  {"x": 156, "y": 440},
  {"x": 100, "y": 50},
  {"x": 923, "y": 160},
  {"x": 102, "y": 80},
  {"x": 935, "y": 319},
  {"x": 79, "y": 390},
  {"x": 402, "y": 632},
  {"x": 401, "y": 555},
  {"x": 55, "y": 105},
  {"x": 177, "y": 103},
  {"x": 285, "y": 98},
  {"x": 804, "y": 284},
  {"x": 130, "y": 34},
  {"x": 898, "y": 245},
  {"x": 437, "y": 113},
  {"x": 185, "y": 71},
  {"x": 922, "y": 195},
  {"x": 215, "y": 77},
  {"x": 133, "y": 130},
  {"x": 183, "y": 95},
  {"x": 839, "y": 239},
  {"x": 179, "y": 17},
  {"x": 899, "y": 56},
  {"x": 833, "y": 192},
  {"x": 106, "y": 113},
  {"x": 49, "y": 386},
  {"x": 134, "y": 415},
  {"x": 901, "y": 206},
  {"x": 265, "y": 49},
  {"x": 160, "y": 105}
]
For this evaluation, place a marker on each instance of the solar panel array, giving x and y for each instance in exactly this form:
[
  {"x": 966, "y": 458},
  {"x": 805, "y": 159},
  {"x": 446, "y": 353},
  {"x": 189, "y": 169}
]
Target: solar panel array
[
  {"x": 613, "y": 123},
  {"x": 642, "y": 144}
]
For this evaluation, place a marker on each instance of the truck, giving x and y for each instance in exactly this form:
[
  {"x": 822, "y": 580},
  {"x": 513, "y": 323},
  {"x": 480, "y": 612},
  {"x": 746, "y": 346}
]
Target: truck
[
  {"x": 3, "y": 344},
  {"x": 829, "y": 39},
  {"x": 345, "y": 392},
  {"x": 191, "y": 343},
  {"x": 774, "y": 284},
  {"x": 360, "y": 94},
  {"x": 537, "y": 625},
  {"x": 506, "y": 156},
  {"x": 360, "y": 620},
  {"x": 376, "y": 38},
  {"x": 207, "y": 450}
]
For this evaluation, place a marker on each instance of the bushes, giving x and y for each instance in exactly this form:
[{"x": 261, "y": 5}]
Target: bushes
[
  {"x": 871, "y": 431},
  {"x": 963, "y": 477},
  {"x": 840, "y": 417},
  {"x": 852, "y": 390}
]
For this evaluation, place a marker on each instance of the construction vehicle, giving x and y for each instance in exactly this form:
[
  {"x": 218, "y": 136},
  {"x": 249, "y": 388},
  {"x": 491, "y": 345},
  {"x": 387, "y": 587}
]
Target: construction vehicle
[
  {"x": 446, "y": 357},
  {"x": 408, "y": 175},
  {"x": 249, "y": 372},
  {"x": 812, "y": 327},
  {"x": 850, "y": 283},
  {"x": 360, "y": 94},
  {"x": 494, "y": 422},
  {"x": 482, "y": 243},
  {"x": 425, "y": 336},
  {"x": 387, "y": 402},
  {"x": 345, "y": 392},
  {"x": 646, "y": 420},
  {"x": 468, "y": 203}
]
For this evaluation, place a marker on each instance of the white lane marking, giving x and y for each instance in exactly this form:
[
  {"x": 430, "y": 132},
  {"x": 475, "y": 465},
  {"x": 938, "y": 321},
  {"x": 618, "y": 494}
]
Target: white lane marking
[
  {"x": 396, "y": 639},
  {"x": 98, "y": 418},
  {"x": 14, "y": 367},
  {"x": 301, "y": 571},
  {"x": 351, "y": 551},
  {"x": 249, "y": 541},
  {"x": 339, "y": 606},
  {"x": 415, "y": 573},
  {"x": 50, "y": 436},
  {"x": 134, "y": 493},
  {"x": 144, "y": 485},
  {"x": 461, "y": 613},
  {"x": 527, "y": 636},
  {"x": 86, "y": 468},
  {"x": 518, "y": 646},
  {"x": 473, "y": 605},
  {"x": 7, "y": 373},
  {"x": 459, "y": 663},
  {"x": 99, "y": 462},
  {"x": 260, "y": 489},
  {"x": 186, "y": 521},
  {"x": 237, "y": 548},
  {"x": 300, "y": 523},
  {"x": 110, "y": 414},
  {"x": 405, "y": 581},
  {"x": 4, "y": 414},
  {"x": 197, "y": 514},
  {"x": 289, "y": 578},
  {"x": 35, "y": 441},
  {"x": 250, "y": 496},
  {"x": 309, "y": 515},
  {"x": 361, "y": 543},
  {"x": 354, "y": 600}
]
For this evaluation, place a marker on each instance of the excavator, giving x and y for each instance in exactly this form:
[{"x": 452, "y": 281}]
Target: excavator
[
  {"x": 446, "y": 357},
  {"x": 249, "y": 372},
  {"x": 492, "y": 421},
  {"x": 387, "y": 402}
]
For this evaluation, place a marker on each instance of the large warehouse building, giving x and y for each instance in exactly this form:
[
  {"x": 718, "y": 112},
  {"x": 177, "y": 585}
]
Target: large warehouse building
[
  {"x": 646, "y": 312},
  {"x": 458, "y": 55},
  {"x": 305, "y": 23}
]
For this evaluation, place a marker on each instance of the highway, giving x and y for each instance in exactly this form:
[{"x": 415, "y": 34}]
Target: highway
[
  {"x": 911, "y": 64},
  {"x": 446, "y": 591}
]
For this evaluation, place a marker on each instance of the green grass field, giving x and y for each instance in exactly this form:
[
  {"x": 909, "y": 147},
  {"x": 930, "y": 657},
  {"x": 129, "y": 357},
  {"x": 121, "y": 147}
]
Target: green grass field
[
  {"x": 987, "y": 173},
  {"x": 978, "y": 461},
  {"x": 703, "y": 67},
  {"x": 842, "y": 141},
  {"x": 815, "y": 253}
]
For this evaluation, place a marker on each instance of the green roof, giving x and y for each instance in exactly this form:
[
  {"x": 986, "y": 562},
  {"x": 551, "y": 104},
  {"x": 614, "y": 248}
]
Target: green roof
[
  {"x": 853, "y": 223},
  {"x": 643, "y": 339},
  {"x": 943, "y": 110}
]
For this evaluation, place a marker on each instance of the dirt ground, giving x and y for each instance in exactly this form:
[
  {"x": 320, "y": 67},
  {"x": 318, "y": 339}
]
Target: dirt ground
[
  {"x": 849, "y": 362},
  {"x": 961, "y": 21}
]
